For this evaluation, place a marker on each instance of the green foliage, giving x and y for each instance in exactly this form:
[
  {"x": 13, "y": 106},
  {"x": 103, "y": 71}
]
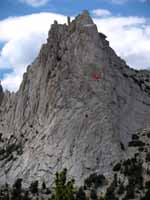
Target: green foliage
[
  {"x": 130, "y": 191},
  {"x": 127, "y": 184},
  {"x": 147, "y": 185},
  {"x": 117, "y": 167},
  {"x": 135, "y": 137},
  {"x": 18, "y": 185},
  {"x": 63, "y": 190},
  {"x": 132, "y": 168},
  {"x": 43, "y": 185},
  {"x": 148, "y": 157},
  {"x": 34, "y": 187},
  {"x": 7, "y": 152},
  {"x": 93, "y": 195},
  {"x": 121, "y": 189},
  {"x": 4, "y": 192},
  {"x": 17, "y": 189},
  {"x": 110, "y": 193},
  {"x": 26, "y": 196},
  {"x": 80, "y": 195},
  {"x": 115, "y": 181},
  {"x": 146, "y": 196},
  {"x": 95, "y": 181},
  {"x": 136, "y": 143}
]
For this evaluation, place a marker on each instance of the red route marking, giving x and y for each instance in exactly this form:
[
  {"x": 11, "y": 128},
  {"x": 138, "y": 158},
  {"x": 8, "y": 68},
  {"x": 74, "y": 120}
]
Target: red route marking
[{"x": 96, "y": 76}]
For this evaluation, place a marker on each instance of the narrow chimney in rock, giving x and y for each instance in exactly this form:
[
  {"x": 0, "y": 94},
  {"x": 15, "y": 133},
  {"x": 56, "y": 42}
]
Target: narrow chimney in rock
[
  {"x": 68, "y": 20},
  {"x": 1, "y": 93}
]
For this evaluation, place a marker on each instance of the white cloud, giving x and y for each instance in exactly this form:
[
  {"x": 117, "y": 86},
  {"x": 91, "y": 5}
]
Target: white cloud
[
  {"x": 23, "y": 36},
  {"x": 35, "y": 3},
  {"x": 17, "y": 27},
  {"x": 129, "y": 36},
  {"x": 101, "y": 12},
  {"x": 12, "y": 81}
]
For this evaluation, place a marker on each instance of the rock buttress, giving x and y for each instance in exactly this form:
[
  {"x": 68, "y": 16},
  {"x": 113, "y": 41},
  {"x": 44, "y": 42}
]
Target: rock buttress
[{"x": 76, "y": 108}]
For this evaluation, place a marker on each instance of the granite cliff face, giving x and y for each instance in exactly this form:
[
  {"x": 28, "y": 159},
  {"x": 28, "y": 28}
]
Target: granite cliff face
[{"x": 77, "y": 107}]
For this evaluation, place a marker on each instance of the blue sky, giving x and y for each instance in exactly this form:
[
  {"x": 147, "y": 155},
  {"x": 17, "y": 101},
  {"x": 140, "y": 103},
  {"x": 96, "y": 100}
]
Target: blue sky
[
  {"x": 21, "y": 36},
  {"x": 73, "y": 7}
]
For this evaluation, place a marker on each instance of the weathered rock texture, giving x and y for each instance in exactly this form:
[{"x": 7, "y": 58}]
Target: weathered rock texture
[{"x": 77, "y": 107}]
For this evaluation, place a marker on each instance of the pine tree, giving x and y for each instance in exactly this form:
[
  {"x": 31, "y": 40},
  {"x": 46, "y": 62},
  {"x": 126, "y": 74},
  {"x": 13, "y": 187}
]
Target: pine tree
[
  {"x": 63, "y": 190},
  {"x": 80, "y": 194}
]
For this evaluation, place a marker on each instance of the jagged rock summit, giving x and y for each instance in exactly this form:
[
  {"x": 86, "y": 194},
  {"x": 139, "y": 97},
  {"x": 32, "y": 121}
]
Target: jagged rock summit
[{"x": 77, "y": 107}]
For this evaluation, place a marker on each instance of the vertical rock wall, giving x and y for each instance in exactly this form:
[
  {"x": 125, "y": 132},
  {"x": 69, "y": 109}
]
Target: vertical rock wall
[{"x": 77, "y": 106}]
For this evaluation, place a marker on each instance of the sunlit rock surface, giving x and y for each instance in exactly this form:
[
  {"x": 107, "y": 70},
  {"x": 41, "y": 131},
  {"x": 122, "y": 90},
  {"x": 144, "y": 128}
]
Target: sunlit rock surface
[{"x": 77, "y": 107}]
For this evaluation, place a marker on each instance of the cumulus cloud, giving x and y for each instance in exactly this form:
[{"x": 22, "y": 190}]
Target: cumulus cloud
[
  {"x": 23, "y": 37},
  {"x": 12, "y": 81},
  {"x": 129, "y": 36},
  {"x": 35, "y": 3},
  {"x": 101, "y": 12}
]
